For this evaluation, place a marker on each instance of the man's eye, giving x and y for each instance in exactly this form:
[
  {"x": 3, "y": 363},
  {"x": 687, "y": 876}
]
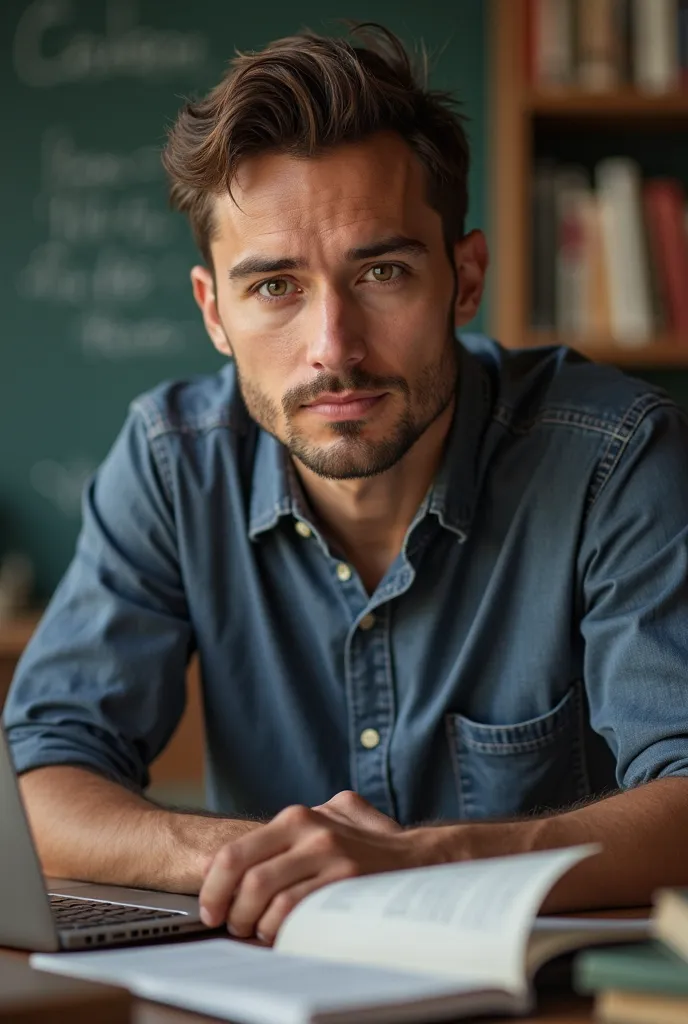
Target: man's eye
[
  {"x": 276, "y": 288},
  {"x": 384, "y": 272}
]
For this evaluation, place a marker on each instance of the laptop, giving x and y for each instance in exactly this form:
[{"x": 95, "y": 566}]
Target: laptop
[{"x": 53, "y": 914}]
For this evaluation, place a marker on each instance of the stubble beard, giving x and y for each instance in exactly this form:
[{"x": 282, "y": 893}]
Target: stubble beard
[{"x": 353, "y": 456}]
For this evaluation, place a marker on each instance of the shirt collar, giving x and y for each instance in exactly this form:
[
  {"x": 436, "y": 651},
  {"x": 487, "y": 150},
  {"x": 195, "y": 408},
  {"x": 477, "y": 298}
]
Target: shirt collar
[
  {"x": 273, "y": 494},
  {"x": 276, "y": 491},
  {"x": 453, "y": 493}
]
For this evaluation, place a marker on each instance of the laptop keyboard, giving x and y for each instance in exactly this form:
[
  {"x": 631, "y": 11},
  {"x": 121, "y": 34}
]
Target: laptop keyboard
[{"x": 72, "y": 914}]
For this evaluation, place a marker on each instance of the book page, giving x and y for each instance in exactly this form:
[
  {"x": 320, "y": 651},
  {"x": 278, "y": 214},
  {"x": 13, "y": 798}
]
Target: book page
[
  {"x": 471, "y": 919},
  {"x": 252, "y": 985}
]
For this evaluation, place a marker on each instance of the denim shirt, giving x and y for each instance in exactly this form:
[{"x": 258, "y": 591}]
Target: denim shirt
[{"x": 527, "y": 648}]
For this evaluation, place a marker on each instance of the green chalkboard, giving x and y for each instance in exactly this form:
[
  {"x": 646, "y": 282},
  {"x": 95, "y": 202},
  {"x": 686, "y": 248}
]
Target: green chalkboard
[{"x": 94, "y": 290}]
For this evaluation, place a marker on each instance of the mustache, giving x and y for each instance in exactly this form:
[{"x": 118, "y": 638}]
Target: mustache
[{"x": 332, "y": 383}]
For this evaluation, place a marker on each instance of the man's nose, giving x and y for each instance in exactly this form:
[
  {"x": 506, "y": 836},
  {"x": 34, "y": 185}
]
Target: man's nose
[{"x": 337, "y": 341}]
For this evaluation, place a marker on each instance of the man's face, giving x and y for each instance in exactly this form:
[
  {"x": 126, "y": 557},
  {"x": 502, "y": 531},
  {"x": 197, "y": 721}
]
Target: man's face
[{"x": 335, "y": 295}]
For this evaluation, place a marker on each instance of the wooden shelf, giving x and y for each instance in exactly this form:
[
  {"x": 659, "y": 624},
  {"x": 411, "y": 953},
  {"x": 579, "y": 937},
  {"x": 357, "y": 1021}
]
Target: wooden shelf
[
  {"x": 622, "y": 104},
  {"x": 662, "y": 351},
  {"x": 521, "y": 118}
]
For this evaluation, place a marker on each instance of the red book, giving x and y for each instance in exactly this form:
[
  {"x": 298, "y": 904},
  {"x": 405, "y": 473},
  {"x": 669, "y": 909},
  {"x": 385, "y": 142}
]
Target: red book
[{"x": 664, "y": 201}]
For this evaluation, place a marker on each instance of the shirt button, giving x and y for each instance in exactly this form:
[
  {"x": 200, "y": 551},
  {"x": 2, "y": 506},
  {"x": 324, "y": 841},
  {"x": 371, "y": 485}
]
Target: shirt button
[
  {"x": 343, "y": 572},
  {"x": 370, "y": 738},
  {"x": 302, "y": 529},
  {"x": 367, "y": 622}
]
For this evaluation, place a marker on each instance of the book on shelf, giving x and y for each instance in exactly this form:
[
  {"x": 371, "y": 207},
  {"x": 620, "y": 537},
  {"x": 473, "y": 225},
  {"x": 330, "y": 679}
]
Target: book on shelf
[
  {"x": 423, "y": 944},
  {"x": 665, "y": 204},
  {"x": 683, "y": 43},
  {"x": 598, "y": 45},
  {"x": 601, "y": 45},
  {"x": 655, "y": 45},
  {"x": 619, "y": 189},
  {"x": 608, "y": 261},
  {"x": 549, "y": 36},
  {"x": 573, "y": 196},
  {"x": 646, "y": 983}
]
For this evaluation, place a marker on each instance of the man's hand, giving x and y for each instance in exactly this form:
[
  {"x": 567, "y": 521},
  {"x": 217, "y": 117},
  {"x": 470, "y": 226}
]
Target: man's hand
[
  {"x": 349, "y": 808},
  {"x": 256, "y": 880}
]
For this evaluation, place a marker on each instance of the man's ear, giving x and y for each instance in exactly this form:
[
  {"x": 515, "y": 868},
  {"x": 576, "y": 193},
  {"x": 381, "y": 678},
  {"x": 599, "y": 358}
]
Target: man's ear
[
  {"x": 471, "y": 260},
  {"x": 204, "y": 293}
]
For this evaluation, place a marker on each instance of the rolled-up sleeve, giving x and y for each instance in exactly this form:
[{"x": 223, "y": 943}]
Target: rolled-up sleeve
[
  {"x": 102, "y": 682},
  {"x": 634, "y": 567}
]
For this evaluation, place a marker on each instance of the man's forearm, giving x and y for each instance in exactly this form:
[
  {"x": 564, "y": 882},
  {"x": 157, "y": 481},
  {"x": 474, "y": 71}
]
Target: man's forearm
[
  {"x": 89, "y": 828},
  {"x": 643, "y": 833}
]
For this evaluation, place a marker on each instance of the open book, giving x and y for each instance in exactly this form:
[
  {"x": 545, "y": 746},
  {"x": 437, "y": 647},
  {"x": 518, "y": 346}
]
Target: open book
[{"x": 416, "y": 945}]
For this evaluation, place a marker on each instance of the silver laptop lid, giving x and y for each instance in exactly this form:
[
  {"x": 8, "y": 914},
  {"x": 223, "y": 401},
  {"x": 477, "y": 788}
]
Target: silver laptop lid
[{"x": 26, "y": 921}]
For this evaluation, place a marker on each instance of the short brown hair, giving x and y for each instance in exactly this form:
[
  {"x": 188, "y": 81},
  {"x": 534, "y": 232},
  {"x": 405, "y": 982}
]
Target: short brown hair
[{"x": 307, "y": 93}]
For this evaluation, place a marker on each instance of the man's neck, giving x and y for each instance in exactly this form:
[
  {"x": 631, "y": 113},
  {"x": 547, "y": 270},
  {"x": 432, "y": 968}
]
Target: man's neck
[{"x": 367, "y": 519}]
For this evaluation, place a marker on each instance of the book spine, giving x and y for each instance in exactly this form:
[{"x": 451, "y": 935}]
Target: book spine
[
  {"x": 625, "y": 20},
  {"x": 664, "y": 209},
  {"x": 543, "y": 248},
  {"x": 683, "y": 43},
  {"x": 552, "y": 41},
  {"x": 616, "y": 1007},
  {"x": 597, "y": 322},
  {"x": 572, "y": 193},
  {"x": 599, "y": 44},
  {"x": 618, "y": 183},
  {"x": 655, "y": 45}
]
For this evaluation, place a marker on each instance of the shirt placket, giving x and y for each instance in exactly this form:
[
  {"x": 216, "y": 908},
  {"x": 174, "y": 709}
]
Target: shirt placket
[
  {"x": 368, "y": 670},
  {"x": 369, "y": 674},
  {"x": 370, "y": 689}
]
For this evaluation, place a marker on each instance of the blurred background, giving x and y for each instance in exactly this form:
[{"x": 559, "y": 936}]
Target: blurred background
[
  {"x": 577, "y": 121},
  {"x": 94, "y": 288}
]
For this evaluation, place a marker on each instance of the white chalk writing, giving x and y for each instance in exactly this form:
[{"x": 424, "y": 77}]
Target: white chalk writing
[
  {"x": 107, "y": 247},
  {"x": 64, "y": 166},
  {"x": 114, "y": 338},
  {"x": 123, "y": 49}
]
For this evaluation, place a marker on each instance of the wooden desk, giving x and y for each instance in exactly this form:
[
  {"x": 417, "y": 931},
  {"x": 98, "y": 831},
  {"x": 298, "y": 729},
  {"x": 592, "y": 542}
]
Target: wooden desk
[
  {"x": 555, "y": 1008},
  {"x": 564, "y": 1009}
]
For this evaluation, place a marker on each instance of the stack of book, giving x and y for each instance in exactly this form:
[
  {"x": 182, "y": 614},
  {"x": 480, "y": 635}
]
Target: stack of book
[
  {"x": 601, "y": 45},
  {"x": 609, "y": 256},
  {"x": 645, "y": 983}
]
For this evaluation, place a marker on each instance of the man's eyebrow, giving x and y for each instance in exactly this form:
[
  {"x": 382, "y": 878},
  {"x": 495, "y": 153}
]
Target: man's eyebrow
[
  {"x": 386, "y": 246},
  {"x": 269, "y": 265},
  {"x": 264, "y": 265}
]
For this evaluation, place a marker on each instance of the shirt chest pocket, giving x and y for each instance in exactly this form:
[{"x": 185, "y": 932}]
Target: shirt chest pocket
[{"x": 531, "y": 766}]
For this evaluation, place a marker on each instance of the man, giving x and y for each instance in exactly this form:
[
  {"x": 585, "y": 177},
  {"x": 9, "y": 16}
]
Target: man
[{"x": 428, "y": 581}]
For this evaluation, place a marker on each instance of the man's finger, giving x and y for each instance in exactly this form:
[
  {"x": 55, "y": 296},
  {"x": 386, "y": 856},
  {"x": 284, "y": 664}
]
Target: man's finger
[
  {"x": 229, "y": 865},
  {"x": 351, "y": 809},
  {"x": 332, "y": 814},
  {"x": 285, "y": 901},
  {"x": 262, "y": 884}
]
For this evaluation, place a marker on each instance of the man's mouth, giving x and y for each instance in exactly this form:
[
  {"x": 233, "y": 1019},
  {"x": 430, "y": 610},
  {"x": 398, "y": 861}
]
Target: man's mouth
[{"x": 345, "y": 405}]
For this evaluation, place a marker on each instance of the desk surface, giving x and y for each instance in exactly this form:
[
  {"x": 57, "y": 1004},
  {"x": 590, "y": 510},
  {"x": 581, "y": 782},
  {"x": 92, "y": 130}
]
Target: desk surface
[
  {"x": 558, "y": 1008},
  {"x": 563, "y": 1009}
]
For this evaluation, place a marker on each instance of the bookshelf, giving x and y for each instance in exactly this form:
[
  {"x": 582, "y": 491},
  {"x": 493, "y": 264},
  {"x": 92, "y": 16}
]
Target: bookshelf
[
  {"x": 626, "y": 103},
  {"x": 518, "y": 113}
]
